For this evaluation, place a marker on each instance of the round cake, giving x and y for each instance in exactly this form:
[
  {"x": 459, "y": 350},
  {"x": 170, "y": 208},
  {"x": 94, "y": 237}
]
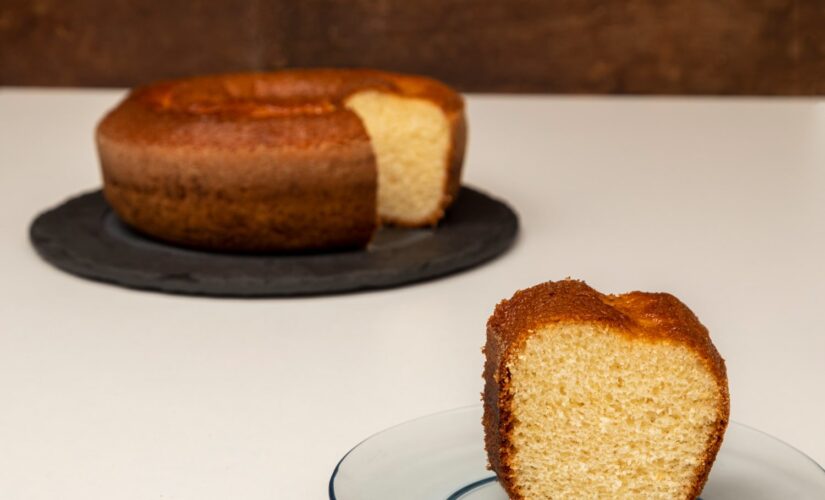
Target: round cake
[
  {"x": 283, "y": 161},
  {"x": 589, "y": 395}
]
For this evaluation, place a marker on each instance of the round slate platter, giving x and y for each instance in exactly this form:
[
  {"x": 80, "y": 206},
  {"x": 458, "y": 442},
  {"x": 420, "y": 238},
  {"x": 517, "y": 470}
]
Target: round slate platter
[{"x": 83, "y": 236}]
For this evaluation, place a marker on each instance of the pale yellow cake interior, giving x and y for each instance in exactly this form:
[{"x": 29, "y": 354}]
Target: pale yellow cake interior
[
  {"x": 601, "y": 416},
  {"x": 411, "y": 140}
]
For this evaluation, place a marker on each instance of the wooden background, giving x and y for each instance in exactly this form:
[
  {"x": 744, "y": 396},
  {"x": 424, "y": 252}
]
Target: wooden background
[{"x": 754, "y": 47}]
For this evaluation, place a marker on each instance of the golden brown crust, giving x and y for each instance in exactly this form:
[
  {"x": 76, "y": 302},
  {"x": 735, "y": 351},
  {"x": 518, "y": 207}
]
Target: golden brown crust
[
  {"x": 646, "y": 316},
  {"x": 254, "y": 161}
]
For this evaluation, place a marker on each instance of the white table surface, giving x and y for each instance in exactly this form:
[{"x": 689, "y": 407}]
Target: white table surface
[{"x": 113, "y": 393}]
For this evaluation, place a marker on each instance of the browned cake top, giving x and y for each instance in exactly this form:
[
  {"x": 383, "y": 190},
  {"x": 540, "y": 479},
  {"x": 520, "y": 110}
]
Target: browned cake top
[
  {"x": 295, "y": 108},
  {"x": 654, "y": 316}
]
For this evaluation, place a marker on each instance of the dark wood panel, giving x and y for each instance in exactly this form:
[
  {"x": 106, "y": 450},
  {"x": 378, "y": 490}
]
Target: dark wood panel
[{"x": 565, "y": 46}]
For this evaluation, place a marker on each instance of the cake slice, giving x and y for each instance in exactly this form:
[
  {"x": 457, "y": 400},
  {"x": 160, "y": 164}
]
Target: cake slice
[{"x": 601, "y": 396}]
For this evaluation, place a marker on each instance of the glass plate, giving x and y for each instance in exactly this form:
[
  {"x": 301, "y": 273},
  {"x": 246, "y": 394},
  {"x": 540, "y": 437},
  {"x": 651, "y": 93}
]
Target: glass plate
[{"x": 442, "y": 456}]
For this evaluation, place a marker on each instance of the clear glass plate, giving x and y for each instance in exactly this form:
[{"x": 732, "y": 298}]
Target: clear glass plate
[{"x": 442, "y": 456}]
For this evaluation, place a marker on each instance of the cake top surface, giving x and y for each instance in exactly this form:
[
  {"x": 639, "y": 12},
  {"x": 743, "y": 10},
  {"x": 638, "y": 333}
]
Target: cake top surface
[
  {"x": 640, "y": 315},
  {"x": 285, "y": 93},
  {"x": 302, "y": 108}
]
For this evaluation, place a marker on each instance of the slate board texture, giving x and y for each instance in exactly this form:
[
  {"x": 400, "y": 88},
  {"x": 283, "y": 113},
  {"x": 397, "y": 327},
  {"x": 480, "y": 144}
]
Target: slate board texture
[{"x": 83, "y": 236}]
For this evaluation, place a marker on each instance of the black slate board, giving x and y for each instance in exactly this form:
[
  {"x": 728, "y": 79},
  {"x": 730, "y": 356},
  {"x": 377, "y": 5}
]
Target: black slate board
[{"x": 83, "y": 236}]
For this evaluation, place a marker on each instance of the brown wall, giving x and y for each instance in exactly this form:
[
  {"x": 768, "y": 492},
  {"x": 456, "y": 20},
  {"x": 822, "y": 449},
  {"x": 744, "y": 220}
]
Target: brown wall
[{"x": 566, "y": 46}]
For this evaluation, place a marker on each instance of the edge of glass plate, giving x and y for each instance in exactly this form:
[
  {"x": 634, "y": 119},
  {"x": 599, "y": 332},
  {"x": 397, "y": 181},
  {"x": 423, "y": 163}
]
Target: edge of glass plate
[
  {"x": 331, "y": 487},
  {"x": 784, "y": 443}
]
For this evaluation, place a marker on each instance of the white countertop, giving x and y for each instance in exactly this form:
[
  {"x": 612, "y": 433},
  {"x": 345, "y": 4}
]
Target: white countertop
[{"x": 112, "y": 393}]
